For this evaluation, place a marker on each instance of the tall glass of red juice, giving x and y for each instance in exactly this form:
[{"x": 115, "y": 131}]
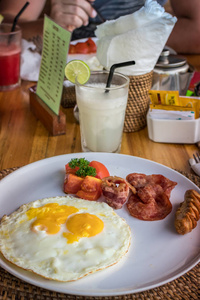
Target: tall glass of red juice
[{"x": 10, "y": 51}]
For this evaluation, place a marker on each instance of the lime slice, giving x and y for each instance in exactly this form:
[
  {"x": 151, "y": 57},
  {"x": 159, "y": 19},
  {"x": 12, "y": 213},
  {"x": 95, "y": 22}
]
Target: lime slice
[
  {"x": 77, "y": 69},
  {"x": 1, "y": 18}
]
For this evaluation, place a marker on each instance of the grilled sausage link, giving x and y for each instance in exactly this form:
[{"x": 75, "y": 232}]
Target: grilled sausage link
[{"x": 188, "y": 213}]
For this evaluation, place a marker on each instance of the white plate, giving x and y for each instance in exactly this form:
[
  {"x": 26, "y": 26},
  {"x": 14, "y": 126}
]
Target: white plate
[
  {"x": 157, "y": 253},
  {"x": 83, "y": 57}
]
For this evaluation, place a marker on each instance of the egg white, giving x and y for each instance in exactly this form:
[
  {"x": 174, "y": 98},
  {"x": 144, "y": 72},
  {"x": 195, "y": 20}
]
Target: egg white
[{"x": 50, "y": 255}]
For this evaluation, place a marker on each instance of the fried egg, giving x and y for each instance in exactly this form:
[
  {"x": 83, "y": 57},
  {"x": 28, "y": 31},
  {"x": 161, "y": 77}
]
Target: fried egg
[{"x": 64, "y": 238}]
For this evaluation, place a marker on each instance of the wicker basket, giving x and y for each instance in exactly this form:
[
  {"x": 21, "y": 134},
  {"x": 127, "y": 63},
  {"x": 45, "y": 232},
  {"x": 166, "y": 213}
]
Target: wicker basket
[
  {"x": 68, "y": 97},
  {"x": 138, "y": 102}
]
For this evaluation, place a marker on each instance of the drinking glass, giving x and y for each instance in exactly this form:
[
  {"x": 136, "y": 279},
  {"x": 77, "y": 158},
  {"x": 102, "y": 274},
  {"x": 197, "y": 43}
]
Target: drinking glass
[
  {"x": 102, "y": 111},
  {"x": 10, "y": 51}
]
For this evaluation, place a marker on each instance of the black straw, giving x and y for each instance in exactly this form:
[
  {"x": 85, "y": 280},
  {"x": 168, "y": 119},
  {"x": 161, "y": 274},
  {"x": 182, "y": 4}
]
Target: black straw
[
  {"x": 112, "y": 69},
  {"x": 18, "y": 15}
]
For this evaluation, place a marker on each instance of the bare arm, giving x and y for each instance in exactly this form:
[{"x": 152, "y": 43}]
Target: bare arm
[
  {"x": 185, "y": 37},
  {"x": 10, "y": 8},
  {"x": 28, "y": 21}
]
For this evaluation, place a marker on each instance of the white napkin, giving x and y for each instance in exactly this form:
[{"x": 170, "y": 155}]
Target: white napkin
[
  {"x": 30, "y": 61},
  {"x": 140, "y": 36}
]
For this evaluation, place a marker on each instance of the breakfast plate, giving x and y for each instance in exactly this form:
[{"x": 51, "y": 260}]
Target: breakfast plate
[{"x": 157, "y": 254}]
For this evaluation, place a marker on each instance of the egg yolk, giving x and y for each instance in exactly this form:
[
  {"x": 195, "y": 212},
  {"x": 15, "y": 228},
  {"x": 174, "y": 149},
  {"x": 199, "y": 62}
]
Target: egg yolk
[
  {"x": 50, "y": 217},
  {"x": 82, "y": 225}
]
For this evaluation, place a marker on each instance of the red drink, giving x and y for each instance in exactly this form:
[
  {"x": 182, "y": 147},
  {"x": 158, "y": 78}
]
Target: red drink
[
  {"x": 9, "y": 64},
  {"x": 10, "y": 50}
]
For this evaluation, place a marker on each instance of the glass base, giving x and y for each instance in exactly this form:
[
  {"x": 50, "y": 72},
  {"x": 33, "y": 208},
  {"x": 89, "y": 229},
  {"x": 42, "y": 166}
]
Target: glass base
[
  {"x": 5, "y": 88},
  {"x": 85, "y": 149}
]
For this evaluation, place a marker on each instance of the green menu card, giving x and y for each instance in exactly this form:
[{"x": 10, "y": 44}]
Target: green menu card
[{"x": 54, "y": 57}]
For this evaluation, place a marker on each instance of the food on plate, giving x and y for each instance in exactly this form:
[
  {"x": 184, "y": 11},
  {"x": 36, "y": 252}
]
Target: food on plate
[
  {"x": 188, "y": 213},
  {"x": 151, "y": 201},
  {"x": 72, "y": 183},
  {"x": 82, "y": 167},
  {"x": 83, "y": 178},
  {"x": 90, "y": 188},
  {"x": 147, "y": 196},
  {"x": 64, "y": 238},
  {"x": 86, "y": 47},
  {"x": 115, "y": 190},
  {"x": 101, "y": 170}
]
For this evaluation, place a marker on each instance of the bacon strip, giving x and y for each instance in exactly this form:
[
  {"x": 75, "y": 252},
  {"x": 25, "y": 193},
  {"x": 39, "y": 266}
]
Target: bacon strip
[
  {"x": 151, "y": 201},
  {"x": 115, "y": 190}
]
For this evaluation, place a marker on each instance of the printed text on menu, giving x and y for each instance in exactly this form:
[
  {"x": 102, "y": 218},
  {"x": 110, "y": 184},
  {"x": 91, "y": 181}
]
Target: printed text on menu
[{"x": 54, "y": 55}]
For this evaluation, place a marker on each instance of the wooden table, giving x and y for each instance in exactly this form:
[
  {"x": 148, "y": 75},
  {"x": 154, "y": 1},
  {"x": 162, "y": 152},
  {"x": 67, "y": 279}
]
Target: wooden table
[{"x": 23, "y": 139}]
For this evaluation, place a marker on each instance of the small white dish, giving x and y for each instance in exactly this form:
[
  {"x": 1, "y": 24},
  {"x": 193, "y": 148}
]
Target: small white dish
[{"x": 173, "y": 131}]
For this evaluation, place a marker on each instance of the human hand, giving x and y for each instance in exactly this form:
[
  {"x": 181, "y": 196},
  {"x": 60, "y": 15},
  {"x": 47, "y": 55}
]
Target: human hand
[{"x": 72, "y": 14}]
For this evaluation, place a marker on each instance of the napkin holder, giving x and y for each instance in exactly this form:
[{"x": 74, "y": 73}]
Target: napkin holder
[{"x": 55, "y": 124}]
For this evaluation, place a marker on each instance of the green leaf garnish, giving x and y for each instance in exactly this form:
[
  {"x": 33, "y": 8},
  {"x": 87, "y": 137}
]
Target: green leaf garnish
[{"x": 84, "y": 168}]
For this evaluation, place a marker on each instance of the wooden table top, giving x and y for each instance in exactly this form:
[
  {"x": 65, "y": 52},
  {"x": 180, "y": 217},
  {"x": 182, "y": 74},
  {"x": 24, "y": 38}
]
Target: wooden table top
[{"x": 23, "y": 138}]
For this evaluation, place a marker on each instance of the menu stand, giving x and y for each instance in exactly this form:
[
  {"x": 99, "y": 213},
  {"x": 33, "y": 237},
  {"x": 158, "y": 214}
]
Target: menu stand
[{"x": 55, "y": 124}]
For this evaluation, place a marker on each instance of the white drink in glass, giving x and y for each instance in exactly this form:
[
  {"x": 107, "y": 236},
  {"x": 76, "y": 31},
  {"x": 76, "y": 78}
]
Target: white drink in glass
[{"x": 101, "y": 115}]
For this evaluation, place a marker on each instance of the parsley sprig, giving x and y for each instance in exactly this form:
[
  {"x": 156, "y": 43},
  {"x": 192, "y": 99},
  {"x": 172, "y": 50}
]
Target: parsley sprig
[{"x": 84, "y": 168}]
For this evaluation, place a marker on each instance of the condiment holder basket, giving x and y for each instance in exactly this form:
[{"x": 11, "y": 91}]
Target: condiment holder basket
[{"x": 138, "y": 102}]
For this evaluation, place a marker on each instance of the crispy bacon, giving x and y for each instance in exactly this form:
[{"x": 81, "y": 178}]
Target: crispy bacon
[
  {"x": 151, "y": 201},
  {"x": 115, "y": 190}
]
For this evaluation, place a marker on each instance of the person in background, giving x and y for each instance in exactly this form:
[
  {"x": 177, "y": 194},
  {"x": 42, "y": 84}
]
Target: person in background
[
  {"x": 70, "y": 14},
  {"x": 80, "y": 17},
  {"x": 185, "y": 35},
  {"x": 29, "y": 21}
]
